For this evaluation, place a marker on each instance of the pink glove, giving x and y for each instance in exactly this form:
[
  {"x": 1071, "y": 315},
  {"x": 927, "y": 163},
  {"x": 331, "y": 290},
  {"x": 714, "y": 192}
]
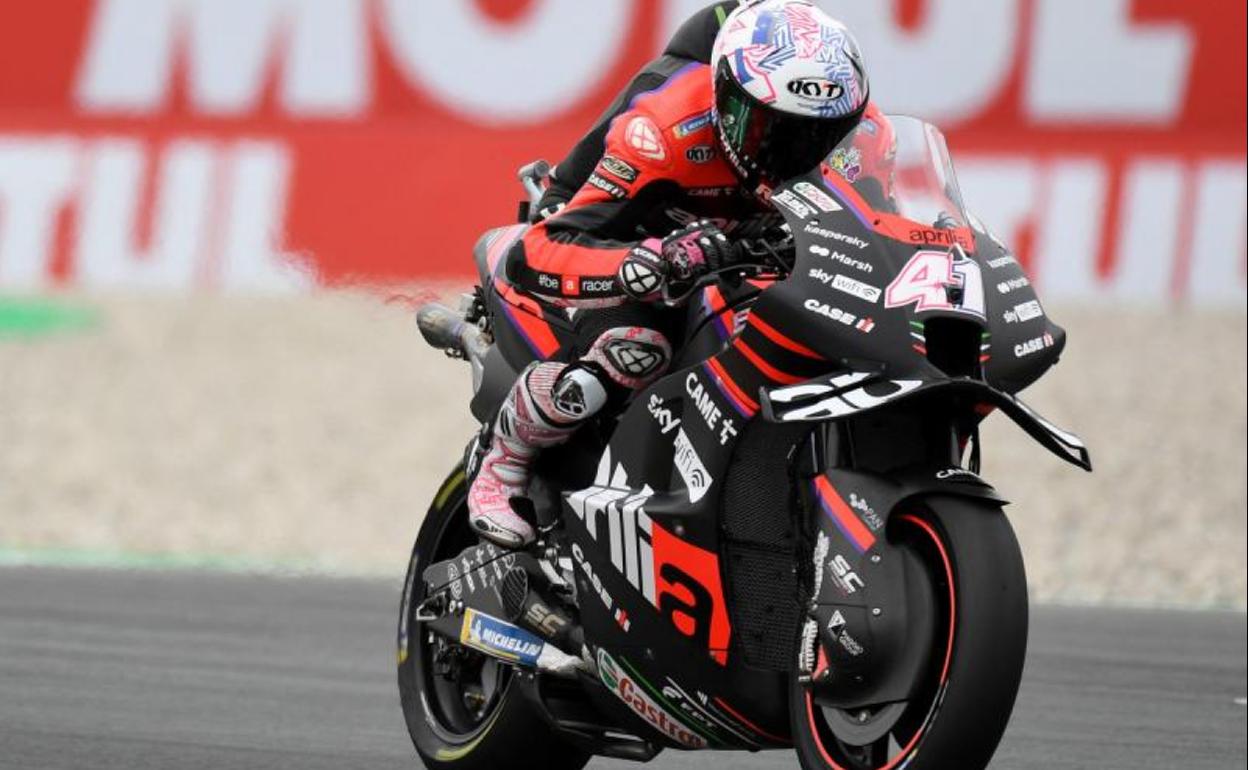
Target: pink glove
[{"x": 679, "y": 258}]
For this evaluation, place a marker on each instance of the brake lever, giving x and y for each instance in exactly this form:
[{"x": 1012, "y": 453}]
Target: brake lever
[{"x": 733, "y": 274}]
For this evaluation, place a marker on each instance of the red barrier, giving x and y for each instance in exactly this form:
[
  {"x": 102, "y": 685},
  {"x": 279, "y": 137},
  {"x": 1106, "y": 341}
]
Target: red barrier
[{"x": 188, "y": 143}]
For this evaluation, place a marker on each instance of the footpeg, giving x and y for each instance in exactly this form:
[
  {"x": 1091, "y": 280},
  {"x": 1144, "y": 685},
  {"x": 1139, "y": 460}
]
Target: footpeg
[{"x": 447, "y": 330}]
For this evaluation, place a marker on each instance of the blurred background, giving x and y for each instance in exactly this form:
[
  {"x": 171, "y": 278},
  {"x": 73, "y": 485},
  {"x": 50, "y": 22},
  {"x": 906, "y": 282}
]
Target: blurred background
[{"x": 216, "y": 217}]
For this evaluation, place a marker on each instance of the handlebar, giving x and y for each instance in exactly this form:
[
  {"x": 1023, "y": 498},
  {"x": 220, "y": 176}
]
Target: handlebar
[
  {"x": 531, "y": 176},
  {"x": 750, "y": 258}
]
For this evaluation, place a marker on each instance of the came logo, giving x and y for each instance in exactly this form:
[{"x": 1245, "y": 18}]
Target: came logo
[{"x": 709, "y": 410}]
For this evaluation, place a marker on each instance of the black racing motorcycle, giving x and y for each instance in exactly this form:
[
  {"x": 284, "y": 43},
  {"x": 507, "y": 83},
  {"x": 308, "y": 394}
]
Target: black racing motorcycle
[{"x": 810, "y": 564}]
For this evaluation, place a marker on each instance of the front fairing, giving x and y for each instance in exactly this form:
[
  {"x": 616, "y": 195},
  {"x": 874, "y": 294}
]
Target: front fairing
[{"x": 885, "y": 247}]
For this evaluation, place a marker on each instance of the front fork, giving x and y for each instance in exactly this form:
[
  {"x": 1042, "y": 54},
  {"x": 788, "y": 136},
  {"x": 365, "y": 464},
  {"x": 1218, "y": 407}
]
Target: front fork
[{"x": 869, "y": 605}]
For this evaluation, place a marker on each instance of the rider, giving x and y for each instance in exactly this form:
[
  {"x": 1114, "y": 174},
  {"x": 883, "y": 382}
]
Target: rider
[
  {"x": 685, "y": 165},
  {"x": 691, "y": 43}
]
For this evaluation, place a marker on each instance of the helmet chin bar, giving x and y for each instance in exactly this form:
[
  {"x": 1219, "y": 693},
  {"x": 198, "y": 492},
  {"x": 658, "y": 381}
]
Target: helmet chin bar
[{"x": 747, "y": 170}]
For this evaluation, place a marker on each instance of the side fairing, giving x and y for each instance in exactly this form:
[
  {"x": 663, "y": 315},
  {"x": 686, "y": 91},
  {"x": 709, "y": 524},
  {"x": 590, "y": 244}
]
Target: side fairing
[
  {"x": 1023, "y": 342},
  {"x": 645, "y": 546},
  {"x": 866, "y": 285}
]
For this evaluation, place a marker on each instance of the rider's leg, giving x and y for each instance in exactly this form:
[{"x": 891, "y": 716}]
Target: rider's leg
[{"x": 547, "y": 404}]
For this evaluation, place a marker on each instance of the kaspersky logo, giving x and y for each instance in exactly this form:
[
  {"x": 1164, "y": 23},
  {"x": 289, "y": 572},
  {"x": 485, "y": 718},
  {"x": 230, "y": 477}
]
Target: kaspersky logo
[{"x": 628, "y": 690}]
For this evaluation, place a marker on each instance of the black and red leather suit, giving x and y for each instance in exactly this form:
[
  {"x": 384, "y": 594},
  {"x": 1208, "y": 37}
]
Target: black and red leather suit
[
  {"x": 692, "y": 42},
  {"x": 652, "y": 167}
]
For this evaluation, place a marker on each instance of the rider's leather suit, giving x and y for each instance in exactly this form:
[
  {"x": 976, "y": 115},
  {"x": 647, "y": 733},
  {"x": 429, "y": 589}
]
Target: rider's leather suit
[{"x": 659, "y": 169}]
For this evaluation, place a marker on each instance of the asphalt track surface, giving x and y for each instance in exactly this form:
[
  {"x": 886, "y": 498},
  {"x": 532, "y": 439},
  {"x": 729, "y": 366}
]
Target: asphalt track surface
[{"x": 134, "y": 670}]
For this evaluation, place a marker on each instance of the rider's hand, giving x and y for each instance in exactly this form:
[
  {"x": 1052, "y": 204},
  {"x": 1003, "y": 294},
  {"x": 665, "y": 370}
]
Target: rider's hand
[
  {"x": 694, "y": 250},
  {"x": 680, "y": 258}
]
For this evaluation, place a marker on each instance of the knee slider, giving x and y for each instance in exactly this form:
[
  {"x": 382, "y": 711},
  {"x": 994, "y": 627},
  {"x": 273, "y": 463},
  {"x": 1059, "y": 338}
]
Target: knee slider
[
  {"x": 632, "y": 356},
  {"x": 579, "y": 392}
]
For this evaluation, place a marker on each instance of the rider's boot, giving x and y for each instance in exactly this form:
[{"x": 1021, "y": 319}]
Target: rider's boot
[{"x": 548, "y": 402}]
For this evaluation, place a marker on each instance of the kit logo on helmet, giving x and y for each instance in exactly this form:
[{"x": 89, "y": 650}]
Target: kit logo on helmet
[
  {"x": 794, "y": 56},
  {"x": 815, "y": 88}
]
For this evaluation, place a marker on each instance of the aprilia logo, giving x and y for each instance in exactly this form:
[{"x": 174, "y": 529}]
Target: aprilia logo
[{"x": 613, "y": 513}]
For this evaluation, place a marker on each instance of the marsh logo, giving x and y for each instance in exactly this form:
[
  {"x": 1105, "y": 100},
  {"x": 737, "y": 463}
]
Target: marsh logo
[{"x": 627, "y": 689}]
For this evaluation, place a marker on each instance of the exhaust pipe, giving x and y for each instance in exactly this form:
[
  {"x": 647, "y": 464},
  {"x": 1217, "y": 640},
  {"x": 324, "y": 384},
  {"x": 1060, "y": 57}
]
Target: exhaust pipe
[
  {"x": 525, "y": 607},
  {"x": 447, "y": 330}
]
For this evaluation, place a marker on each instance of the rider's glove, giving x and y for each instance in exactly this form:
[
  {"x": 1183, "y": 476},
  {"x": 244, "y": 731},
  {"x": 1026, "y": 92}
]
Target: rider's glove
[{"x": 680, "y": 258}]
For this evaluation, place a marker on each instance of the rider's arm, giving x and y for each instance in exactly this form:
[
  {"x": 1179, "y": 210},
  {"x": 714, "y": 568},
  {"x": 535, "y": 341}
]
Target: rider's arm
[
  {"x": 692, "y": 42},
  {"x": 572, "y": 258},
  {"x": 571, "y": 174}
]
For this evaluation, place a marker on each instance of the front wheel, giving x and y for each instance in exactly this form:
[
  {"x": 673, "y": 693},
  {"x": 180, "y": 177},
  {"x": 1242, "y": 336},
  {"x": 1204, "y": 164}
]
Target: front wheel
[
  {"x": 961, "y": 708},
  {"x": 464, "y": 710}
]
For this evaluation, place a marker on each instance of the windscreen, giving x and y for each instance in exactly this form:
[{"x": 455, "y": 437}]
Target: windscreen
[{"x": 901, "y": 166}]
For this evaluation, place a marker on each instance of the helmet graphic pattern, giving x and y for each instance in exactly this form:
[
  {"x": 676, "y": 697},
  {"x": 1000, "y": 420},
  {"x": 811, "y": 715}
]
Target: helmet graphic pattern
[{"x": 792, "y": 56}]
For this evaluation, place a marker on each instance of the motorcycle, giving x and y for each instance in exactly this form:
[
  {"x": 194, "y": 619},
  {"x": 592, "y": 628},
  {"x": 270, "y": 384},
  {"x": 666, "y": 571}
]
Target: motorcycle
[{"x": 811, "y": 564}]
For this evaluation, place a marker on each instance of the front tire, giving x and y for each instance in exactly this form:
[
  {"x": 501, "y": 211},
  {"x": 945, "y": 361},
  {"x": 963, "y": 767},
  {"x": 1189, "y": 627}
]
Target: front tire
[
  {"x": 473, "y": 716},
  {"x": 963, "y": 707}
]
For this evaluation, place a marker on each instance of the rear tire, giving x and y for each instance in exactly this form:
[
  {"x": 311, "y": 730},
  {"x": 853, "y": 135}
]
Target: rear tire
[
  {"x": 448, "y": 729},
  {"x": 975, "y": 671}
]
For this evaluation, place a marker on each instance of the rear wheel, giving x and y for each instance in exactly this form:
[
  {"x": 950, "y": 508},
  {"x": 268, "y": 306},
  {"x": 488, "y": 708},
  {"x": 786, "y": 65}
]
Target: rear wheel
[
  {"x": 464, "y": 710},
  {"x": 963, "y": 703}
]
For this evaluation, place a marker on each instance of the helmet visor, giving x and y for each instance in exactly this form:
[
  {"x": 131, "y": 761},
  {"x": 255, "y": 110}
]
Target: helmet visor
[{"x": 767, "y": 144}]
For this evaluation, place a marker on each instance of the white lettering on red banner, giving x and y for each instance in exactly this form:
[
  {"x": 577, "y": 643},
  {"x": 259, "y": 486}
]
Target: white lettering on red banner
[{"x": 171, "y": 144}]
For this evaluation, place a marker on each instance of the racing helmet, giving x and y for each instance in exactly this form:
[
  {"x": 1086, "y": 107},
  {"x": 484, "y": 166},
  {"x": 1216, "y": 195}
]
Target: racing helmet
[{"x": 789, "y": 85}]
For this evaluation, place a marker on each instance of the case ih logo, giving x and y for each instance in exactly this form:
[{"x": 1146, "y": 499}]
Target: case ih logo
[{"x": 171, "y": 144}]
